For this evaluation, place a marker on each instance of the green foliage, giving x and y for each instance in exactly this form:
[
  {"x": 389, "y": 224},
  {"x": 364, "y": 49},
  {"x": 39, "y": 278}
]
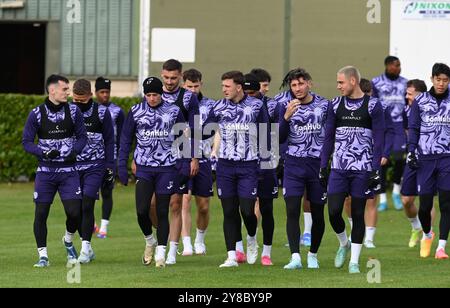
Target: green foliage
[{"x": 14, "y": 111}]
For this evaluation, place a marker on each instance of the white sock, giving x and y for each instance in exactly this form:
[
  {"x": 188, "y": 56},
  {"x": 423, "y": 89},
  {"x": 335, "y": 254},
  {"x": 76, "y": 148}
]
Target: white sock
[
  {"x": 150, "y": 240},
  {"x": 442, "y": 244},
  {"x": 200, "y": 237},
  {"x": 356, "y": 252},
  {"x": 296, "y": 256},
  {"x": 251, "y": 239},
  {"x": 383, "y": 198},
  {"x": 310, "y": 254},
  {"x": 160, "y": 253},
  {"x": 308, "y": 222},
  {"x": 43, "y": 252},
  {"x": 415, "y": 223},
  {"x": 267, "y": 251},
  {"x": 397, "y": 189},
  {"x": 85, "y": 247},
  {"x": 173, "y": 249},
  {"x": 240, "y": 246},
  {"x": 104, "y": 226},
  {"x": 370, "y": 233},
  {"x": 232, "y": 255},
  {"x": 343, "y": 239},
  {"x": 187, "y": 242},
  {"x": 350, "y": 221},
  {"x": 428, "y": 236},
  {"x": 68, "y": 237}
]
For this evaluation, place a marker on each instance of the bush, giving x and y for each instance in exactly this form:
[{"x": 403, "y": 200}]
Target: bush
[{"x": 14, "y": 111}]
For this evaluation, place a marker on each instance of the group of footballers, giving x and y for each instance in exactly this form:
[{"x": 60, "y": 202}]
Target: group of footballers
[{"x": 317, "y": 150}]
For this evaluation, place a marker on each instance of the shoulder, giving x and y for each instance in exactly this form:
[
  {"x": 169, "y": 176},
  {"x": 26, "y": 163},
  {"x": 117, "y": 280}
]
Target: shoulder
[
  {"x": 283, "y": 97},
  {"x": 377, "y": 80}
]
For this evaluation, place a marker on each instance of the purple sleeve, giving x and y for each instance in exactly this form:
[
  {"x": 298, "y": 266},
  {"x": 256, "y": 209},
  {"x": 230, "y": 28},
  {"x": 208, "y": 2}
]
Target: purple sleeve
[
  {"x": 389, "y": 135},
  {"x": 80, "y": 133},
  {"x": 108, "y": 137},
  {"x": 126, "y": 139},
  {"x": 284, "y": 125},
  {"x": 330, "y": 134},
  {"x": 375, "y": 91},
  {"x": 119, "y": 123},
  {"x": 414, "y": 127},
  {"x": 29, "y": 134},
  {"x": 378, "y": 131},
  {"x": 193, "y": 111}
]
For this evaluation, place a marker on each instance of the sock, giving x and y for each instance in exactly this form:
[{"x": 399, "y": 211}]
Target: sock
[
  {"x": 68, "y": 237},
  {"x": 350, "y": 221},
  {"x": 104, "y": 226},
  {"x": 370, "y": 233},
  {"x": 267, "y": 251},
  {"x": 397, "y": 189},
  {"x": 150, "y": 240},
  {"x": 160, "y": 253},
  {"x": 415, "y": 223},
  {"x": 85, "y": 247},
  {"x": 187, "y": 242},
  {"x": 251, "y": 239},
  {"x": 442, "y": 244},
  {"x": 173, "y": 249},
  {"x": 43, "y": 252},
  {"x": 383, "y": 198},
  {"x": 310, "y": 254},
  {"x": 296, "y": 256},
  {"x": 232, "y": 255},
  {"x": 200, "y": 237},
  {"x": 343, "y": 239},
  {"x": 240, "y": 246},
  {"x": 428, "y": 236},
  {"x": 308, "y": 222},
  {"x": 356, "y": 252}
]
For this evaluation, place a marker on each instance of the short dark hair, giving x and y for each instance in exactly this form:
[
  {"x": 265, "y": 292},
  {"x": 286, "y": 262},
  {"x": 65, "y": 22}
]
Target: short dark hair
[
  {"x": 390, "y": 59},
  {"x": 418, "y": 84},
  {"x": 440, "y": 68},
  {"x": 261, "y": 74},
  {"x": 192, "y": 75},
  {"x": 173, "y": 65},
  {"x": 237, "y": 76},
  {"x": 54, "y": 79},
  {"x": 82, "y": 87},
  {"x": 295, "y": 74},
  {"x": 366, "y": 85}
]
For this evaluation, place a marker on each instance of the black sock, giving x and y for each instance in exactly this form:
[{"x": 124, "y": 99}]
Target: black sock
[
  {"x": 293, "y": 210},
  {"x": 247, "y": 207},
  {"x": 318, "y": 226},
  {"x": 359, "y": 225},
  {"x": 40, "y": 224},
  {"x": 87, "y": 218},
  {"x": 107, "y": 205},
  {"x": 335, "y": 208},
  {"x": 426, "y": 205},
  {"x": 231, "y": 221},
  {"x": 268, "y": 222}
]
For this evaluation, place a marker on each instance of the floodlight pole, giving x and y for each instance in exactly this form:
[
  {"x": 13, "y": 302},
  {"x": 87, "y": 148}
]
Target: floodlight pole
[{"x": 144, "y": 43}]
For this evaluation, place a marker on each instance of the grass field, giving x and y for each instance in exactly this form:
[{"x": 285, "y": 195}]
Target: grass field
[{"x": 118, "y": 261}]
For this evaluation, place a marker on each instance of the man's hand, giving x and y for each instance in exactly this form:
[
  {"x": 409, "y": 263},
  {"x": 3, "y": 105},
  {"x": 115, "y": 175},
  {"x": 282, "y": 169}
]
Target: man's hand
[
  {"x": 412, "y": 161},
  {"x": 195, "y": 167},
  {"x": 292, "y": 107},
  {"x": 123, "y": 175},
  {"x": 323, "y": 177},
  {"x": 52, "y": 154},
  {"x": 384, "y": 161},
  {"x": 108, "y": 179},
  {"x": 374, "y": 180}
]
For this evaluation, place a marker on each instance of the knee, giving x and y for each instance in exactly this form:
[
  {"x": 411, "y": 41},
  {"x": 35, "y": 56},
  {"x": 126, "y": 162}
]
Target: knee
[{"x": 203, "y": 209}]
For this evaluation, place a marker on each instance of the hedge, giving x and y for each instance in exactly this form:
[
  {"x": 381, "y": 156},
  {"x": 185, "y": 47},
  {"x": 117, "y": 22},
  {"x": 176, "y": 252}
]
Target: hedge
[{"x": 14, "y": 111}]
